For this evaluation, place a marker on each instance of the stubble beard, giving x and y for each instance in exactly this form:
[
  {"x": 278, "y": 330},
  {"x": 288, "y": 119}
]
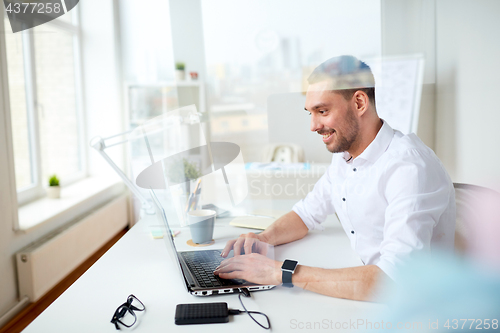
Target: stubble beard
[{"x": 344, "y": 141}]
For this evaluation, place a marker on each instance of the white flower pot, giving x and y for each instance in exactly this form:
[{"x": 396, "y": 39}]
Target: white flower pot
[
  {"x": 180, "y": 75},
  {"x": 54, "y": 192}
]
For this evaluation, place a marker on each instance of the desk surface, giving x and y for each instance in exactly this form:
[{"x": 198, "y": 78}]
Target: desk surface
[{"x": 140, "y": 265}]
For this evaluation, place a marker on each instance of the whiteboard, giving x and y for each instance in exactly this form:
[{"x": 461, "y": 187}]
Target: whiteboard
[{"x": 398, "y": 90}]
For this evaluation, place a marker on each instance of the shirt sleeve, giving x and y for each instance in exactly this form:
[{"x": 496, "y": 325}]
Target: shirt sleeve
[
  {"x": 317, "y": 204},
  {"x": 417, "y": 191}
]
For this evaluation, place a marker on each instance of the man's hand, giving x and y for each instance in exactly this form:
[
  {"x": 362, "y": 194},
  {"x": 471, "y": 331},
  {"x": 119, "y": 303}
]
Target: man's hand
[
  {"x": 254, "y": 267},
  {"x": 249, "y": 243},
  {"x": 286, "y": 229}
]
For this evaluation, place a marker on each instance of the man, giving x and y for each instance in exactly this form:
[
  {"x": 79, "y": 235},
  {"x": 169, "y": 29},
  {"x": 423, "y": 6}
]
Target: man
[{"x": 391, "y": 193}]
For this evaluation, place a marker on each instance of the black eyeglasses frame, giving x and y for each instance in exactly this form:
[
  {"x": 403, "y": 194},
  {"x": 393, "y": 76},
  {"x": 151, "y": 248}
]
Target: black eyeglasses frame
[{"x": 122, "y": 310}]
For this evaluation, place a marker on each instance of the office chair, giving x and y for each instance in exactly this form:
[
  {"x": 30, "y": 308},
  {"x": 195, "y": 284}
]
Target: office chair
[
  {"x": 283, "y": 153},
  {"x": 471, "y": 203}
]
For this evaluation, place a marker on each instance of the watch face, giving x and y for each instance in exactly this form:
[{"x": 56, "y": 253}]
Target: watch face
[{"x": 289, "y": 265}]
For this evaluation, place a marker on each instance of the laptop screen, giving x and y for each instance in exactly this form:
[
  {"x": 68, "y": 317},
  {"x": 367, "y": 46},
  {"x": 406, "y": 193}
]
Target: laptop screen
[{"x": 161, "y": 215}]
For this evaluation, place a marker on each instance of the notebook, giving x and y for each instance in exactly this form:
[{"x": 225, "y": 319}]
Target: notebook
[{"x": 258, "y": 218}]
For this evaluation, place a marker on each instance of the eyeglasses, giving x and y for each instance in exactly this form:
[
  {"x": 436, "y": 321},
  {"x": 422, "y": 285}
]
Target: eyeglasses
[{"x": 125, "y": 314}]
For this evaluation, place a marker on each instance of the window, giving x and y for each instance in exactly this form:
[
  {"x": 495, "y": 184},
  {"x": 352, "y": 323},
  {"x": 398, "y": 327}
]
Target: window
[
  {"x": 271, "y": 49},
  {"x": 47, "y": 119}
]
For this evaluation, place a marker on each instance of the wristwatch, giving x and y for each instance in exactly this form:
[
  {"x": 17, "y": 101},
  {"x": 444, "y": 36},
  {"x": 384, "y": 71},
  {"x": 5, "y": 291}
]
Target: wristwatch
[{"x": 287, "y": 269}]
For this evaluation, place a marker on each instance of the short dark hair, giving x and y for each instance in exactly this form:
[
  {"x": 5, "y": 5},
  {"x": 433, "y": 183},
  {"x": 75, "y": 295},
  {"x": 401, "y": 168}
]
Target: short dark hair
[
  {"x": 348, "y": 93},
  {"x": 348, "y": 75}
]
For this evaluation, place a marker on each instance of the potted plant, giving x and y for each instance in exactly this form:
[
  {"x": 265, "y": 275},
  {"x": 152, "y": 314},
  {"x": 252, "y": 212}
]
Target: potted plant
[
  {"x": 180, "y": 73},
  {"x": 182, "y": 172},
  {"x": 183, "y": 179},
  {"x": 54, "y": 190}
]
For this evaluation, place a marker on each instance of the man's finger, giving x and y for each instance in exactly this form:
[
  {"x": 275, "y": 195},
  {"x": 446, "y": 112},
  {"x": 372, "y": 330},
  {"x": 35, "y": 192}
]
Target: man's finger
[
  {"x": 263, "y": 248},
  {"x": 238, "y": 245},
  {"x": 231, "y": 267},
  {"x": 248, "y": 245},
  {"x": 232, "y": 275},
  {"x": 225, "y": 263},
  {"x": 227, "y": 249}
]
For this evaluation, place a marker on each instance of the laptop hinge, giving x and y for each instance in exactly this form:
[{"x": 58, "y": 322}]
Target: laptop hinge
[{"x": 185, "y": 271}]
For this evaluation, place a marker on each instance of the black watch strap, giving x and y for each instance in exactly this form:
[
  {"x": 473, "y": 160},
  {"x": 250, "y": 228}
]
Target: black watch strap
[
  {"x": 287, "y": 279},
  {"x": 287, "y": 270}
]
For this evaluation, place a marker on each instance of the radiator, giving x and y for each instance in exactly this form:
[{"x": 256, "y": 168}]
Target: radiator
[{"x": 43, "y": 264}]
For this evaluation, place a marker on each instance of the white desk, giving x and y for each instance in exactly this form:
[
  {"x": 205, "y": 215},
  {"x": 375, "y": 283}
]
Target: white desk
[{"x": 140, "y": 265}]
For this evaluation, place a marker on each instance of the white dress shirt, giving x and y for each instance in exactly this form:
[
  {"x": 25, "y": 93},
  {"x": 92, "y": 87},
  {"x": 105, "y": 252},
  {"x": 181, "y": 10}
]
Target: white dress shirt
[{"x": 394, "y": 199}]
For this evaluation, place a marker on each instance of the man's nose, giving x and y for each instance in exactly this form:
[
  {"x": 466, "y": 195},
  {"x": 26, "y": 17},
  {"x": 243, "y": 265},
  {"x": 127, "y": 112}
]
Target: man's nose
[{"x": 315, "y": 124}]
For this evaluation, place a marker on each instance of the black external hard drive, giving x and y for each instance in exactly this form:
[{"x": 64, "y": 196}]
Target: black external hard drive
[{"x": 201, "y": 313}]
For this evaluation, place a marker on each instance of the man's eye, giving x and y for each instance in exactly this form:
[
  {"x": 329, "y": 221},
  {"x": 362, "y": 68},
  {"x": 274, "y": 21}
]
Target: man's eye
[{"x": 322, "y": 111}]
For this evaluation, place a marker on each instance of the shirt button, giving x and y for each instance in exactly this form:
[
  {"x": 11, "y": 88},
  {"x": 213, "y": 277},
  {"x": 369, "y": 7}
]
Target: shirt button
[
  {"x": 354, "y": 169},
  {"x": 343, "y": 199},
  {"x": 352, "y": 232}
]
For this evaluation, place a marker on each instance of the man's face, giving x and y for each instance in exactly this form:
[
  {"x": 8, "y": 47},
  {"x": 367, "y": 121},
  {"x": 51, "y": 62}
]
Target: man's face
[{"x": 332, "y": 117}]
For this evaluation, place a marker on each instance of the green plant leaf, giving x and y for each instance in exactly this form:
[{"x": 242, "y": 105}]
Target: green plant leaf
[
  {"x": 182, "y": 171},
  {"x": 54, "y": 181},
  {"x": 180, "y": 66}
]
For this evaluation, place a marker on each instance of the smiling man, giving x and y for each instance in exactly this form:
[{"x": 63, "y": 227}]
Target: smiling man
[{"x": 390, "y": 192}]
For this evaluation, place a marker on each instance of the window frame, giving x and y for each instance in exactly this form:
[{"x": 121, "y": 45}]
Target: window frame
[{"x": 36, "y": 189}]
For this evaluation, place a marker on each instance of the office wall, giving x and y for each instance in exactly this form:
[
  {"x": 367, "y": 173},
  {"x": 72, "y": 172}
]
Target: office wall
[
  {"x": 152, "y": 41},
  {"x": 468, "y": 115},
  {"x": 146, "y": 40},
  {"x": 102, "y": 80},
  {"x": 408, "y": 27},
  {"x": 458, "y": 116},
  {"x": 187, "y": 35}
]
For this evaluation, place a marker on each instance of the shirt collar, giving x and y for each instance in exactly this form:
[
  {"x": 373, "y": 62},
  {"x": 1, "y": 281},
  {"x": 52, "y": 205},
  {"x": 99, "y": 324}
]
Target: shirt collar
[
  {"x": 347, "y": 157},
  {"x": 377, "y": 147}
]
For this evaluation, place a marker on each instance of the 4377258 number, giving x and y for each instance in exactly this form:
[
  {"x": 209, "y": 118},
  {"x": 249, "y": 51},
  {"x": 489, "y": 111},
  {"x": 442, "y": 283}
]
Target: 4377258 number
[
  {"x": 478, "y": 324},
  {"x": 34, "y": 7}
]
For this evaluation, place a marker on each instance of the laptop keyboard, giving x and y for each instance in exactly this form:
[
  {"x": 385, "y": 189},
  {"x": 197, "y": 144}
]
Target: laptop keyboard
[{"x": 202, "y": 264}]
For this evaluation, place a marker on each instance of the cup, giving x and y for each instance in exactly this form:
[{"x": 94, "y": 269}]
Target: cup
[{"x": 201, "y": 223}]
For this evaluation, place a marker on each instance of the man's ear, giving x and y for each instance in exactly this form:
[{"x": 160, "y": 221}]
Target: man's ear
[{"x": 361, "y": 102}]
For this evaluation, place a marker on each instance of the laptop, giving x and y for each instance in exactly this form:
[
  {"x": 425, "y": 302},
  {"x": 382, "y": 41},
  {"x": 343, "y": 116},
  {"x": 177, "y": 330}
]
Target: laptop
[{"x": 197, "y": 267}]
